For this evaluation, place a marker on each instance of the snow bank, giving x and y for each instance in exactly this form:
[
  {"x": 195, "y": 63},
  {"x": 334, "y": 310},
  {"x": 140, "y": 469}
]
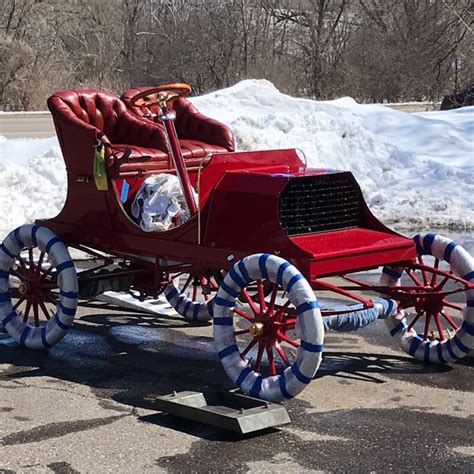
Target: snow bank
[{"x": 416, "y": 170}]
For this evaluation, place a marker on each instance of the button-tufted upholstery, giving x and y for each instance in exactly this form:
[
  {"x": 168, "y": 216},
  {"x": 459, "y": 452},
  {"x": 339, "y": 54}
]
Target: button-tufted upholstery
[
  {"x": 199, "y": 135},
  {"x": 129, "y": 141},
  {"x": 133, "y": 144}
]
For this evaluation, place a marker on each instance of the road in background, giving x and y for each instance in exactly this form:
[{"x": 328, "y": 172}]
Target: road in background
[
  {"x": 40, "y": 124},
  {"x": 27, "y": 125}
]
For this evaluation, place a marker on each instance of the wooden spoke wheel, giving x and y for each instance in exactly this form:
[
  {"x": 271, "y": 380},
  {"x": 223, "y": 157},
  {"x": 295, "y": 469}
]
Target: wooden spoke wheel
[
  {"x": 270, "y": 346},
  {"x": 191, "y": 294},
  {"x": 265, "y": 328},
  {"x": 38, "y": 287},
  {"x": 33, "y": 280},
  {"x": 439, "y": 325}
]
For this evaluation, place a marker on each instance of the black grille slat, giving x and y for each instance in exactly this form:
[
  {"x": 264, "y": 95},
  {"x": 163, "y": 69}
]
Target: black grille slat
[{"x": 320, "y": 203}]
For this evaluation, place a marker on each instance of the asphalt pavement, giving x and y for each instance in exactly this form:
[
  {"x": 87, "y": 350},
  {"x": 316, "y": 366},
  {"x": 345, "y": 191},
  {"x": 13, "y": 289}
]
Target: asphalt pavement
[{"x": 87, "y": 405}]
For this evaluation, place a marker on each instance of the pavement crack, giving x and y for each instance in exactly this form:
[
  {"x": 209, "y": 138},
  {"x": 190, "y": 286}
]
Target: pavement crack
[
  {"x": 57, "y": 430},
  {"x": 104, "y": 402}
]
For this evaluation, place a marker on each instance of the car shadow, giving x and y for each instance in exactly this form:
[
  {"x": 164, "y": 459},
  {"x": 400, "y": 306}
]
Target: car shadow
[{"x": 132, "y": 357}]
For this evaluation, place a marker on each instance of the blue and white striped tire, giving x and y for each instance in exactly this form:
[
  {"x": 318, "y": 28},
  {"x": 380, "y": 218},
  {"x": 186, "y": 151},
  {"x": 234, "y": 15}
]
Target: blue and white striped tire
[
  {"x": 191, "y": 310},
  {"x": 309, "y": 328},
  {"x": 29, "y": 335},
  {"x": 462, "y": 341}
]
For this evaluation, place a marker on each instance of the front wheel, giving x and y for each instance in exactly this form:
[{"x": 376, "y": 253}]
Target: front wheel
[
  {"x": 437, "y": 290},
  {"x": 273, "y": 346},
  {"x": 36, "y": 268}
]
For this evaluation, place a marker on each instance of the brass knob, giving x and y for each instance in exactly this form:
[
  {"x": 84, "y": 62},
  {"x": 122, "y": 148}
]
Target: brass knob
[{"x": 256, "y": 329}]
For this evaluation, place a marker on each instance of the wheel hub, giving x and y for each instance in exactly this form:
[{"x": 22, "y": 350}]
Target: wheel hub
[
  {"x": 23, "y": 288},
  {"x": 256, "y": 329},
  {"x": 432, "y": 303}
]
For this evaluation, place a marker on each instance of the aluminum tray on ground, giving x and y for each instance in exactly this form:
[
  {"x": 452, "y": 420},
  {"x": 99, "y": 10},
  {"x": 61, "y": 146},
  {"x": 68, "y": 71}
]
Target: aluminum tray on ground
[{"x": 227, "y": 410}]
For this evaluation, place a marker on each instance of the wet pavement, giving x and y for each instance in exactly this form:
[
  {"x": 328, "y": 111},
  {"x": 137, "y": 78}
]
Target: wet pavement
[{"x": 87, "y": 405}]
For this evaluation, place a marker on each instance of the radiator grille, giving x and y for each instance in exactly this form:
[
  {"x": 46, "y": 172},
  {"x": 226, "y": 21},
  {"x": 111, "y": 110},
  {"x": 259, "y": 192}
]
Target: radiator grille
[{"x": 320, "y": 203}]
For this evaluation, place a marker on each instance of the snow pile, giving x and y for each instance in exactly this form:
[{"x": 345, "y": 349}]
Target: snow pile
[
  {"x": 416, "y": 170},
  {"x": 33, "y": 181}
]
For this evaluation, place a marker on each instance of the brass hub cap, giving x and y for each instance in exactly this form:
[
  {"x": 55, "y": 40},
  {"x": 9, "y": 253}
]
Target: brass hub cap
[
  {"x": 256, "y": 329},
  {"x": 23, "y": 288}
]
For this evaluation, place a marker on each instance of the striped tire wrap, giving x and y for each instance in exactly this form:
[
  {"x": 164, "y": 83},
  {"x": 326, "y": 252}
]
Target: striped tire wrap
[
  {"x": 309, "y": 328},
  {"x": 462, "y": 341},
  {"x": 185, "y": 306},
  {"x": 44, "y": 336}
]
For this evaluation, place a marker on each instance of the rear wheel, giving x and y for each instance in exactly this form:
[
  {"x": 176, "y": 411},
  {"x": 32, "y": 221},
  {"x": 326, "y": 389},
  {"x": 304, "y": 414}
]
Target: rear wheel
[
  {"x": 37, "y": 270},
  {"x": 191, "y": 294},
  {"x": 439, "y": 327},
  {"x": 271, "y": 346}
]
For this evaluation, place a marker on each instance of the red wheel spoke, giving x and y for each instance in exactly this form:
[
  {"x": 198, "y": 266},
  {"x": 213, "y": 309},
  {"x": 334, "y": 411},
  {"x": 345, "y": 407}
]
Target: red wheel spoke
[
  {"x": 252, "y": 343},
  {"x": 415, "y": 319},
  {"x": 271, "y": 361},
  {"x": 439, "y": 326},
  {"x": 16, "y": 273},
  {"x": 261, "y": 297},
  {"x": 414, "y": 278},
  {"x": 213, "y": 283},
  {"x": 423, "y": 272},
  {"x": 261, "y": 348},
  {"x": 31, "y": 260},
  {"x": 278, "y": 315},
  {"x": 18, "y": 303},
  {"x": 27, "y": 311},
  {"x": 451, "y": 305},
  {"x": 242, "y": 331},
  {"x": 449, "y": 319},
  {"x": 434, "y": 276},
  {"x": 250, "y": 302},
  {"x": 442, "y": 283},
  {"x": 40, "y": 262},
  {"x": 282, "y": 354},
  {"x": 288, "y": 340},
  {"x": 286, "y": 326},
  {"x": 48, "y": 272},
  {"x": 271, "y": 304},
  {"x": 35, "y": 314},
  {"x": 195, "y": 291},
  {"x": 244, "y": 314},
  {"x": 22, "y": 263},
  {"x": 185, "y": 286},
  {"x": 44, "y": 309},
  {"x": 427, "y": 326},
  {"x": 50, "y": 298}
]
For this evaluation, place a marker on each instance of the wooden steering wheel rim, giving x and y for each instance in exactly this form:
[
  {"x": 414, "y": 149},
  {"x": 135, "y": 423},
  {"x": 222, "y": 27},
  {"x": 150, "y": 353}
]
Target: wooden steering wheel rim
[{"x": 179, "y": 88}]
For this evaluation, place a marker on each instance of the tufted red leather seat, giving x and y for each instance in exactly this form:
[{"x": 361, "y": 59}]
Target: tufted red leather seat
[
  {"x": 132, "y": 144},
  {"x": 198, "y": 135},
  {"x": 129, "y": 141}
]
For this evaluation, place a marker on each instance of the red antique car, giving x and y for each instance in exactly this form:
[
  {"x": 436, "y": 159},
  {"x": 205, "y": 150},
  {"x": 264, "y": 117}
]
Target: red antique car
[{"x": 253, "y": 239}]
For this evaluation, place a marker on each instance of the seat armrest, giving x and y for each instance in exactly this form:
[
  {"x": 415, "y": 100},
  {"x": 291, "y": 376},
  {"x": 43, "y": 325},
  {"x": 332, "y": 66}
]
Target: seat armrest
[{"x": 193, "y": 125}]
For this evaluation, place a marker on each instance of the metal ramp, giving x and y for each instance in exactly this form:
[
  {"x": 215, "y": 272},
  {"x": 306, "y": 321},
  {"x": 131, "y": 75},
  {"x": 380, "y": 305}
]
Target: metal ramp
[{"x": 227, "y": 410}]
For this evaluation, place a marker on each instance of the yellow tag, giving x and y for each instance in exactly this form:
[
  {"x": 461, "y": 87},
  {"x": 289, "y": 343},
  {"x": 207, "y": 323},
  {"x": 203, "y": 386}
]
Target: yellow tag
[{"x": 100, "y": 168}]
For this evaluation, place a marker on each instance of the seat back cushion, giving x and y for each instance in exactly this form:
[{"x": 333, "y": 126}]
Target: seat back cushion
[
  {"x": 100, "y": 109},
  {"x": 190, "y": 123}
]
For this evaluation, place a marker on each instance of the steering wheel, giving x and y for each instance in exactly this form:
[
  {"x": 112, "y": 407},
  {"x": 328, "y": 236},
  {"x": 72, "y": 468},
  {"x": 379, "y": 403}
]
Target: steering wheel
[{"x": 163, "y": 95}]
